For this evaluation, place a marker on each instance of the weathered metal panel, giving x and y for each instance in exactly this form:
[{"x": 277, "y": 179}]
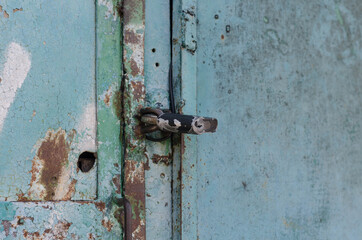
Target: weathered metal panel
[
  {"x": 284, "y": 80},
  {"x": 159, "y": 166},
  {"x": 185, "y": 38},
  {"x": 48, "y": 105},
  {"x": 133, "y": 100},
  {"x": 99, "y": 219}
]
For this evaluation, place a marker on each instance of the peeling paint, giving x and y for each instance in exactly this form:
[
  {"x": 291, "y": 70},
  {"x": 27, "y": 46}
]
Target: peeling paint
[
  {"x": 107, "y": 224},
  {"x": 157, "y": 159},
  {"x": 135, "y": 190},
  {"x": 138, "y": 90},
  {"x": 17, "y": 9},
  {"x": 59, "y": 231},
  {"x": 50, "y": 170},
  {"x": 6, "y": 224},
  {"x": 110, "y": 9},
  {"x": 58, "y": 145},
  {"x": 117, "y": 183},
  {"x": 101, "y": 206}
]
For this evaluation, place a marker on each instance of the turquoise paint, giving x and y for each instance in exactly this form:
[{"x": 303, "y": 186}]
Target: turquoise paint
[
  {"x": 159, "y": 175},
  {"x": 71, "y": 219},
  {"x": 58, "y": 88},
  {"x": 285, "y": 161}
]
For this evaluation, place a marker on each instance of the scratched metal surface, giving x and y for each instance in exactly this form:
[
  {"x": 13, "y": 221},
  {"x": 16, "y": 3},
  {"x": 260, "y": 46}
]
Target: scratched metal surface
[
  {"x": 50, "y": 47},
  {"x": 158, "y": 173},
  {"x": 285, "y": 83}
]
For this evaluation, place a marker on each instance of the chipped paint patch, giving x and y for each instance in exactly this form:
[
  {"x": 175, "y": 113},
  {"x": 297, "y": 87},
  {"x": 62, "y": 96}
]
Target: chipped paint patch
[
  {"x": 138, "y": 90},
  {"x": 50, "y": 168},
  {"x": 107, "y": 224},
  {"x": 6, "y": 15},
  {"x": 16, "y": 69},
  {"x": 7, "y": 225},
  {"x": 110, "y": 9},
  {"x": 107, "y": 95},
  {"x": 101, "y": 206},
  {"x": 117, "y": 183},
  {"x": 135, "y": 190},
  {"x": 17, "y": 9},
  {"x": 133, "y": 100},
  {"x": 58, "y": 231},
  {"x": 136, "y": 49},
  {"x": 157, "y": 159}
]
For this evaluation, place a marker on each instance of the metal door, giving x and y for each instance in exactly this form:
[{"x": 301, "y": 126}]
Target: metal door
[
  {"x": 284, "y": 80},
  {"x": 60, "y": 147}
]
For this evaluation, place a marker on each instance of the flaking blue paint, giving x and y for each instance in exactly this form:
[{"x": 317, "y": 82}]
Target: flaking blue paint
[
  {"x": 58, "y": 89},
  {"x": 97, "y": 219}
]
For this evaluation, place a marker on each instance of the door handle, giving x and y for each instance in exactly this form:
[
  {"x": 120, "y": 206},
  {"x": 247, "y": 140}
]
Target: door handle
[{"x": 154, "y": 119}]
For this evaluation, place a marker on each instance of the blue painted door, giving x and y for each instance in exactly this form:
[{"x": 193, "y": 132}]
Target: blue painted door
[
  {"x": 60, "y": 74},
  {"x": 284, "y": 80}
]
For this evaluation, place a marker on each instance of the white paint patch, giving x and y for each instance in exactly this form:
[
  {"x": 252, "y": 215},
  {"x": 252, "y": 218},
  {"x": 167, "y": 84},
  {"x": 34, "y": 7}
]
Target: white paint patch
[
  {"x": 87, "y": 130},
  {"x": 110, "y": 10},
  {"x": 200, "y": 127},
  {"x": 16, "y": 69},
  {"x": 164, "y": 125}
]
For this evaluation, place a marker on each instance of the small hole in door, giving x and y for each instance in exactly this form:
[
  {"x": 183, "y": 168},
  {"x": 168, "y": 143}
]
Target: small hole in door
[
  {"x": 157, "y": 64},
  {"x": 86, "y": 161},
  {"x": 153, "y": 50}
]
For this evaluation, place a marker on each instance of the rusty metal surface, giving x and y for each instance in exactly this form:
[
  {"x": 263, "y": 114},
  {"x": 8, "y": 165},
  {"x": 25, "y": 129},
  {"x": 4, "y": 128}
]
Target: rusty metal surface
[
  {"x": 133, "y": 100},
  {"x": 47, "y": 101},
  {"x": 50, "y": 170}
]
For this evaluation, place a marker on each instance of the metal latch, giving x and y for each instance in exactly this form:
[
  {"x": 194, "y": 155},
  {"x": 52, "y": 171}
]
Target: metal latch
[{"x": 157, "y": 120}]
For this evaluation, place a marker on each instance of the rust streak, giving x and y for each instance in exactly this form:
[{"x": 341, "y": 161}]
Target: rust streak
[
  {"x": 49, "y": 168},
  {"x": 129, "y": 8},
  {"x": 157, "y": 159},
  {"x": 100, "y": 206},
  {"x": 21, "y": 197},
  {"x": 135, "y": 193},
  {"x": 107, "y": 97},
  {"x": 7, "y": 225},
  {"x": 17, "y": 9},
  {"x": 132, "y": 37},
  {"x": 107, "y": 224},
  {"x": 117, "y": 183},
  {"x": 138, "y": 90},
  {"x": 71, "y": 190},
  {"x": 134, "y": 68},
  {"x": 117, "y": 103}
]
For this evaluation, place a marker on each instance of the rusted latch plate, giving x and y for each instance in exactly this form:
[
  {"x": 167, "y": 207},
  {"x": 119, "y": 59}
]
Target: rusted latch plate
[{"x": 157, "y": 120}]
